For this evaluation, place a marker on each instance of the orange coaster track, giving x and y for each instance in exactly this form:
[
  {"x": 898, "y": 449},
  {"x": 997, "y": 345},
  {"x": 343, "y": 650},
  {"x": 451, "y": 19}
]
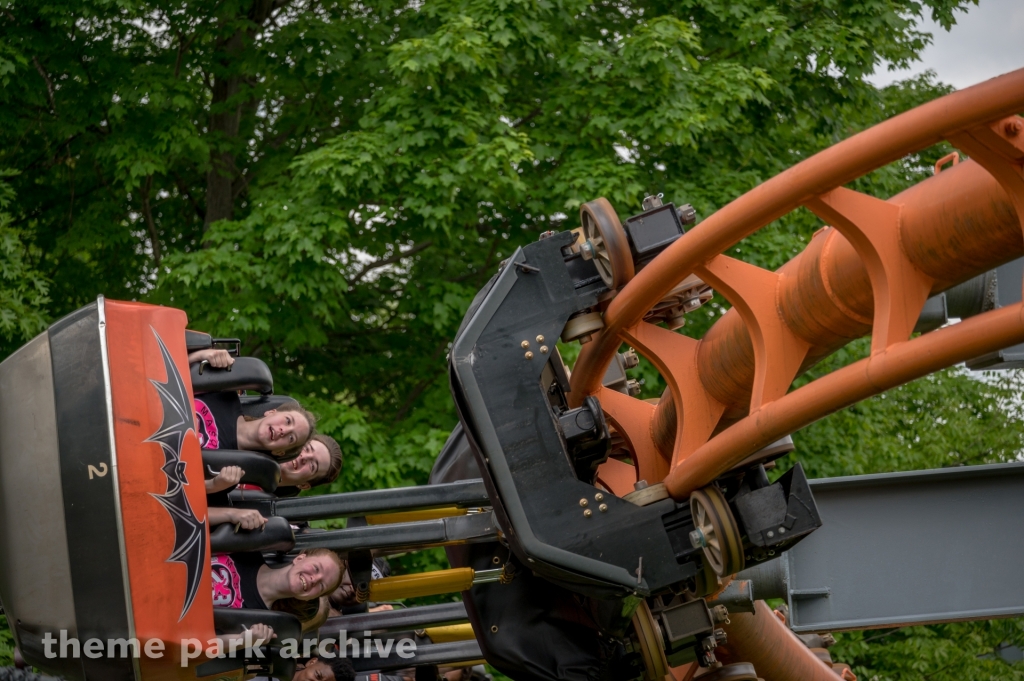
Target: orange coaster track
[{"x": 871, "y": 272}]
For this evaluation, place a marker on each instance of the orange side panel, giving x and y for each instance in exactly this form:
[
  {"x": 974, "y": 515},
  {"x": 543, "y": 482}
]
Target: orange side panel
[{"x": 158, "y": 586}]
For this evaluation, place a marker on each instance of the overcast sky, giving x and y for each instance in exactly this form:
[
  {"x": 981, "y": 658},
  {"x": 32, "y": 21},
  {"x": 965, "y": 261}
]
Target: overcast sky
[{"x": 987, "y": 41}]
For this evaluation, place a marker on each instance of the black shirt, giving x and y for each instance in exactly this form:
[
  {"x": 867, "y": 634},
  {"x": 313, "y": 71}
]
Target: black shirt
[
  {"x": 234, "y": 580},
  {"x": 217, "y": 417}
]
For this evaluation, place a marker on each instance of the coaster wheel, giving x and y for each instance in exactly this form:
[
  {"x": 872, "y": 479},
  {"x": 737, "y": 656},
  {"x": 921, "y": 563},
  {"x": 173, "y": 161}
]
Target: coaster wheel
[
  {"x": 705, "y": 583},
  {"x": 651, "y": 649},
  {"x": 605, "y": 243},
  {"x": 739, "y": 671},
  {"x": 716, "y": 531}
]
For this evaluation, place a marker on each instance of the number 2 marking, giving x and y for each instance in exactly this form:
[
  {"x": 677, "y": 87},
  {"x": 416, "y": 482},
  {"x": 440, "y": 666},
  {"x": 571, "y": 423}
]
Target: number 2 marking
[{"x": 98, "y": 472}]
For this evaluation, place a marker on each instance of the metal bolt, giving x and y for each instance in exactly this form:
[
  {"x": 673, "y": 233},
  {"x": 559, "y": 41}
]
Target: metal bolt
[
  {"x": 770, "y": 534},
  {"x": 687, "y": 215},
  {"x": 1012, "y": 128},
  {"x": 585, "y": 338},
  {"x": 525, "y": 344},
  {"x": 598, "y": 497},
  {"x": 583, "y": 502},
  {"x": 697, "y": 539},
  {"x": 543, "y": 349},
  {"x": 639, "y": 485},
  {"x": 782, "y": 530},
  {"x": 630, "y": 359},
  {"x": 587, "y": 250},
  {"x": 602, "y": 508},
  {"x": 588, "y": 513},
  {"x": 528, "y": 355},
  {"x": 540, "y": 339},
  {"x": 633, "y": 387},
  {"x": 691, "y": 304}
]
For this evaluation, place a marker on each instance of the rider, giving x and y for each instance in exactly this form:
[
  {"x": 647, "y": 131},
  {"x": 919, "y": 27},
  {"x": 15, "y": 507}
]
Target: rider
[
  {"x": 244, "y": 580},
  {"x": 319, "y": 463},
  {"x": 282, "y": 431}
]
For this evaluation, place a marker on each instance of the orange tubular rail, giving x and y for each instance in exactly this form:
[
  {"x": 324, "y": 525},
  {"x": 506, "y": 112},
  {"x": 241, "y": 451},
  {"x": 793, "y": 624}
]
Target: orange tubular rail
[
  {"x": 776, "y": 653},
  {"x": 871, "y": 272}
]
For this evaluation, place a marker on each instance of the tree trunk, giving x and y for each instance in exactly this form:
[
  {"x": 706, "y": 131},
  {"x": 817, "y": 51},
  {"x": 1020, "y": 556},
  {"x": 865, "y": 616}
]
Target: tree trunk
[
  {"x": 224, "y": 121},
  {"x": 226, "y": 114}
]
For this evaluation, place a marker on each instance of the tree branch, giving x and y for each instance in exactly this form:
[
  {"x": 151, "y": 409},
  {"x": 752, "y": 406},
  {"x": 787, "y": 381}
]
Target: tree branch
[
  {"x": 49, "y": 84},
  {"x": 183, "y": 47},
  {"x": 388, "y": 261},
  {"x": 150, "y": 225},
  {"x": 527, "y": 118},
  {"x": 420, "y": 387},
  {"x": 183, "y": 190}
]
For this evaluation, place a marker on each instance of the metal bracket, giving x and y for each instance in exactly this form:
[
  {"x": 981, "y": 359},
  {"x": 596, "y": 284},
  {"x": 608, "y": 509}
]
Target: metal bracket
[{"x": 905, "y": 548}]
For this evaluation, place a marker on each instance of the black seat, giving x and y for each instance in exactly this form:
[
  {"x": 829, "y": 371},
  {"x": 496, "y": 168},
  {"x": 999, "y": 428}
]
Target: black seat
[
  {"x": 197, "y": 340},
  {"x": 237, "y": 620},
  {"x": 259, "y": 469},
  {"x": 244, "y": 498},
  {"x": 247, "y": 373},
  {"x": 276, "y": 535},
  {"x": 257, "y": 405}
]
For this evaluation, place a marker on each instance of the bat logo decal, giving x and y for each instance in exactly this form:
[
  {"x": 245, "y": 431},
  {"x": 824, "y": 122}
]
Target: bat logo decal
[{"x": 189, "y": 531}]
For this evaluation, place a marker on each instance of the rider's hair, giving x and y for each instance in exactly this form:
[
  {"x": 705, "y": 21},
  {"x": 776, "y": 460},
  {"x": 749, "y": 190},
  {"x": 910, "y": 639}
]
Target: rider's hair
[
  {"x": 342, "y": 668},
  {"x": 323, "y": 611},
  {"x": 334, "y": 452},
  {"x": 305, "y": 611}
]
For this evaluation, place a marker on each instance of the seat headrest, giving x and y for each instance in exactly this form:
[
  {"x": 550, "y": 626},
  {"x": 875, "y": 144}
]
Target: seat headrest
[
  {"x": 259, "y": 469},
  {"x": 257, "y": 405},
  {"x": 237, "y": 620},
  {"x": 276, "y": 535},
  {"x": 247, "y": 373},
  {"x": 197, "y": 340}
]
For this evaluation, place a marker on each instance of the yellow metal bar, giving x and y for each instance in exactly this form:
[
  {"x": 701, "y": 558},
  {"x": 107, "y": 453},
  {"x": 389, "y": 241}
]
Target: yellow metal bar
[
  {"x": 413, "y": 516},
  {"x": 454, "y": 632},
  {"x": 422, "y": 584}
]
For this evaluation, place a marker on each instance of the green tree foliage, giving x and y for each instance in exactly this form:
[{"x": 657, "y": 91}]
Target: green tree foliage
[
  {"x": 6, "y": 643},
  {"x": 23, "y": 290},
  {"x": 334, "y": 181}
]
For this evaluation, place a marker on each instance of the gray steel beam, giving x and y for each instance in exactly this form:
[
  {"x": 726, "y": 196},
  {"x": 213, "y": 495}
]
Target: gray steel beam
[{"x": 905, "y": 548}]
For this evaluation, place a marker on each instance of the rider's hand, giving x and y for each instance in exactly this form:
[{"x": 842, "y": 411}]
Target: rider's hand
[
  {"x": 228, "y": 477},
  {"x": 261, "y": 633},
  {"x": 218, "y": 358},
  {"x": 247, "y": 518}
]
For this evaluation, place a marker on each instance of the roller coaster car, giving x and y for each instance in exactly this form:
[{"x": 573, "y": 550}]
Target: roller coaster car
[
  {"x": 103, "y": 530},
  {"x": 539, "y": 457}
]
